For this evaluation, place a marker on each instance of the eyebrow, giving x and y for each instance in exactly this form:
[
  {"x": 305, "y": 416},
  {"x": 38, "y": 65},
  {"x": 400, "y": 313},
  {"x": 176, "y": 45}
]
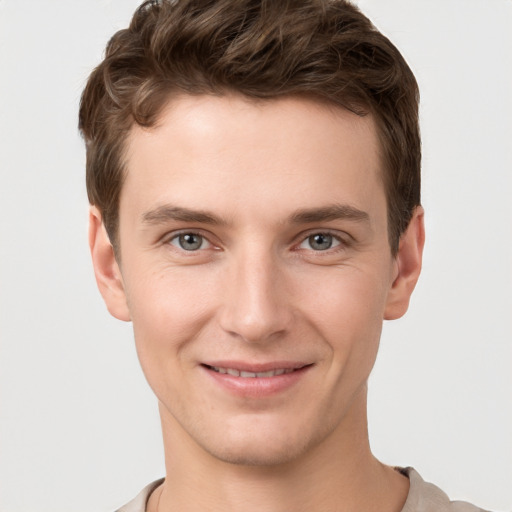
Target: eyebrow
[
  {"x": 167, "y": 213},
  {"x": 329, "y": 213}
]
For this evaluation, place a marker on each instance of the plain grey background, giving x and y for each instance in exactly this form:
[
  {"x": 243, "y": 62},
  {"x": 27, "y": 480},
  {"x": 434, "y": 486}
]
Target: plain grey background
[{"x": 79, "y": 427}]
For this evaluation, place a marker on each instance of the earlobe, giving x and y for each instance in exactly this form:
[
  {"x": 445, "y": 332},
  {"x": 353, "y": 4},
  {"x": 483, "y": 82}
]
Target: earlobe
[
  {"x": 408, "y": 263},
  {"x": 106, "y": 269}
]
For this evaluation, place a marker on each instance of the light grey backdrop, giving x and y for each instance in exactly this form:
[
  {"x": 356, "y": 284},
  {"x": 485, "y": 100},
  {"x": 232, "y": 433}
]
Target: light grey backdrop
[{"x": 79, "y": 427}]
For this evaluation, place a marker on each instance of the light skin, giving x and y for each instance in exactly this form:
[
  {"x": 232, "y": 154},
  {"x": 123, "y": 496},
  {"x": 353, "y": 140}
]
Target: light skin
[{"x": 253, "y": 237}]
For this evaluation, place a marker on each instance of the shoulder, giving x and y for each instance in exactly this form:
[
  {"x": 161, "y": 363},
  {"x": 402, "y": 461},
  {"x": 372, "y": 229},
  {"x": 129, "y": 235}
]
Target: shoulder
[
  {"x": 423, "y": 497},
  {"x": 426, "y": 497},
  {"x": 138, "y": 504}
]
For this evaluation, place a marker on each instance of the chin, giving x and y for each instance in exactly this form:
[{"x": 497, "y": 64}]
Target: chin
[
  {"x": 263, "y": 453},
  {"x": 260, "y": 444}
]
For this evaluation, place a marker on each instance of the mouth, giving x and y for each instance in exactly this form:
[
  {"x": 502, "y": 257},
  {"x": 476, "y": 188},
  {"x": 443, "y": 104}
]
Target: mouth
[
  {"x": 251, "y": 375},
  {"x": 253, "y": 380}
]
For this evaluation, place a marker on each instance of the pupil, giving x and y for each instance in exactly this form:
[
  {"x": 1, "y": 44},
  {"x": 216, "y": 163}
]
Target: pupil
[
  {"x": 320, "y": 242},
  {"x": 190, "y": 242}
]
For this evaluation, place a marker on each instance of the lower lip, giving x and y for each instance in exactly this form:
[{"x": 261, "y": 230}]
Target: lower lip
[{"x": 257, "y": 387}]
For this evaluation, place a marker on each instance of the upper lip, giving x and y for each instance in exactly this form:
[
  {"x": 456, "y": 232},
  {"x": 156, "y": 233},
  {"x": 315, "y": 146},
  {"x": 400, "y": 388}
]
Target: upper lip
[{"x": 245, "y": 366}]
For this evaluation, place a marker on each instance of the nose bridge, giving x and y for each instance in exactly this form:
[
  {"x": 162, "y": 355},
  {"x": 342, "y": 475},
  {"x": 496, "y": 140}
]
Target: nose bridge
[{"x": 256, "y": 308}]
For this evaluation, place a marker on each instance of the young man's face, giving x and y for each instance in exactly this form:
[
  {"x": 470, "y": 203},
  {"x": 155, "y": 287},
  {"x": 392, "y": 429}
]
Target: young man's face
[{"x": 253, "y": 240}]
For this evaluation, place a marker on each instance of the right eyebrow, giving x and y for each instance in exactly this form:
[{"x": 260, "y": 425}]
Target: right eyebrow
[{"x": 166, "y": 213}]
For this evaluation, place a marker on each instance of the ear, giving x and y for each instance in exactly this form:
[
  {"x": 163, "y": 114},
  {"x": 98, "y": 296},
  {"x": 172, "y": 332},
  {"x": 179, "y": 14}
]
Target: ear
[
  {"x": 107, "y": 271},
  {"x": 408, "y": 266}
]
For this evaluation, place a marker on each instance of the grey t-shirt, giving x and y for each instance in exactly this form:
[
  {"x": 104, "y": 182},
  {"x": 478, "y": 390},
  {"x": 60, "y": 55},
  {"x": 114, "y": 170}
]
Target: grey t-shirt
[{"x": 422, "y": 497}]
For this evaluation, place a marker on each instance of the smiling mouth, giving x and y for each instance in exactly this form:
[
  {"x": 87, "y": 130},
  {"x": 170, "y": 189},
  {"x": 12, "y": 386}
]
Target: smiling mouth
[
  {"x": 248, "y": 375},
  {"x": 240, "y": 373}
]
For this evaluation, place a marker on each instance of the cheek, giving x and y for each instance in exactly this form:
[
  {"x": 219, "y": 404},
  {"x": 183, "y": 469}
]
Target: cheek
[
  {"x": 168, "y": 309},
  {"x": 347, "y": 310}
]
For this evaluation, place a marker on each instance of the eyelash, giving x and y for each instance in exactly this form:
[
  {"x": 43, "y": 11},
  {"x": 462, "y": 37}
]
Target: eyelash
[
  {"x": 176, "y": 236},
  {"x": 341, "y": 243}
]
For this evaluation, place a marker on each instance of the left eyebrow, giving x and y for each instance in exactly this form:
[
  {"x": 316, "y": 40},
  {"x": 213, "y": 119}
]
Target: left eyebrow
[{"x": 329, "y": 213}]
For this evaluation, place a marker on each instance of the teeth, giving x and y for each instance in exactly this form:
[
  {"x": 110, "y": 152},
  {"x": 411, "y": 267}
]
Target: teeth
[
  {"x": 270, "y": 373},
  {"x": 245, "y": 375}
]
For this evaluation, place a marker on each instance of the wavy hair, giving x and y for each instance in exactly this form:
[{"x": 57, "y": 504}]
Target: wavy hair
[{"x": 324, "y": 49}]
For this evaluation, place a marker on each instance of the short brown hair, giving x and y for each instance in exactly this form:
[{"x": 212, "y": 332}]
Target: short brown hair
[{"x": 325, "y": 49}]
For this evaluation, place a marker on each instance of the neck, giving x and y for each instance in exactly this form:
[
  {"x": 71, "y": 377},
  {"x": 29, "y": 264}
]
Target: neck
[{"x": 340, "y": 473}]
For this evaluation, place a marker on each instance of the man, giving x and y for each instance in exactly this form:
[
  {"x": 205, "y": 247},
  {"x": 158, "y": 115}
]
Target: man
[{"x": 254, "y": 174}]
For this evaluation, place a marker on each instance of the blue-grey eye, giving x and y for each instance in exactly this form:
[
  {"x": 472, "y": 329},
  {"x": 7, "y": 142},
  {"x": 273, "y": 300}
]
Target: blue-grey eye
[
  {"x": 190, "y": 242},
  {"x": 319, "y": 242}
]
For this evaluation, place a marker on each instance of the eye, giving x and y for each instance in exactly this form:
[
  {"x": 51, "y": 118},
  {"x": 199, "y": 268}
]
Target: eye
[
  {"x": 190, "y": 242},
  {"x": 320, "y": 242}
]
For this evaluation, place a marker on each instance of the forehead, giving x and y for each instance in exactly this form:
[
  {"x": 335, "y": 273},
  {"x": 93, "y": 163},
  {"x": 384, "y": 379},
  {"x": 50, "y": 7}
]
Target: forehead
[
  {"x": 209, "y": 118},
  {"x": 238, "y": 154}
]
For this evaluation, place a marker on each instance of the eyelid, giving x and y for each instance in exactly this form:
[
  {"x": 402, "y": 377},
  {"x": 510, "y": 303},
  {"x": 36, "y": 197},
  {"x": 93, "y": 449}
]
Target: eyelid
[
  {"x": 168, "y": 237},
  {"x": 343, "y": 241},
  {"x": 204, "y": 241},
  {"x": 336, "y": 242}
]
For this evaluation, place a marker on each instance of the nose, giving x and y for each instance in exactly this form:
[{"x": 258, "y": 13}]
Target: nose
[{"x": 256, "y": 308}]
